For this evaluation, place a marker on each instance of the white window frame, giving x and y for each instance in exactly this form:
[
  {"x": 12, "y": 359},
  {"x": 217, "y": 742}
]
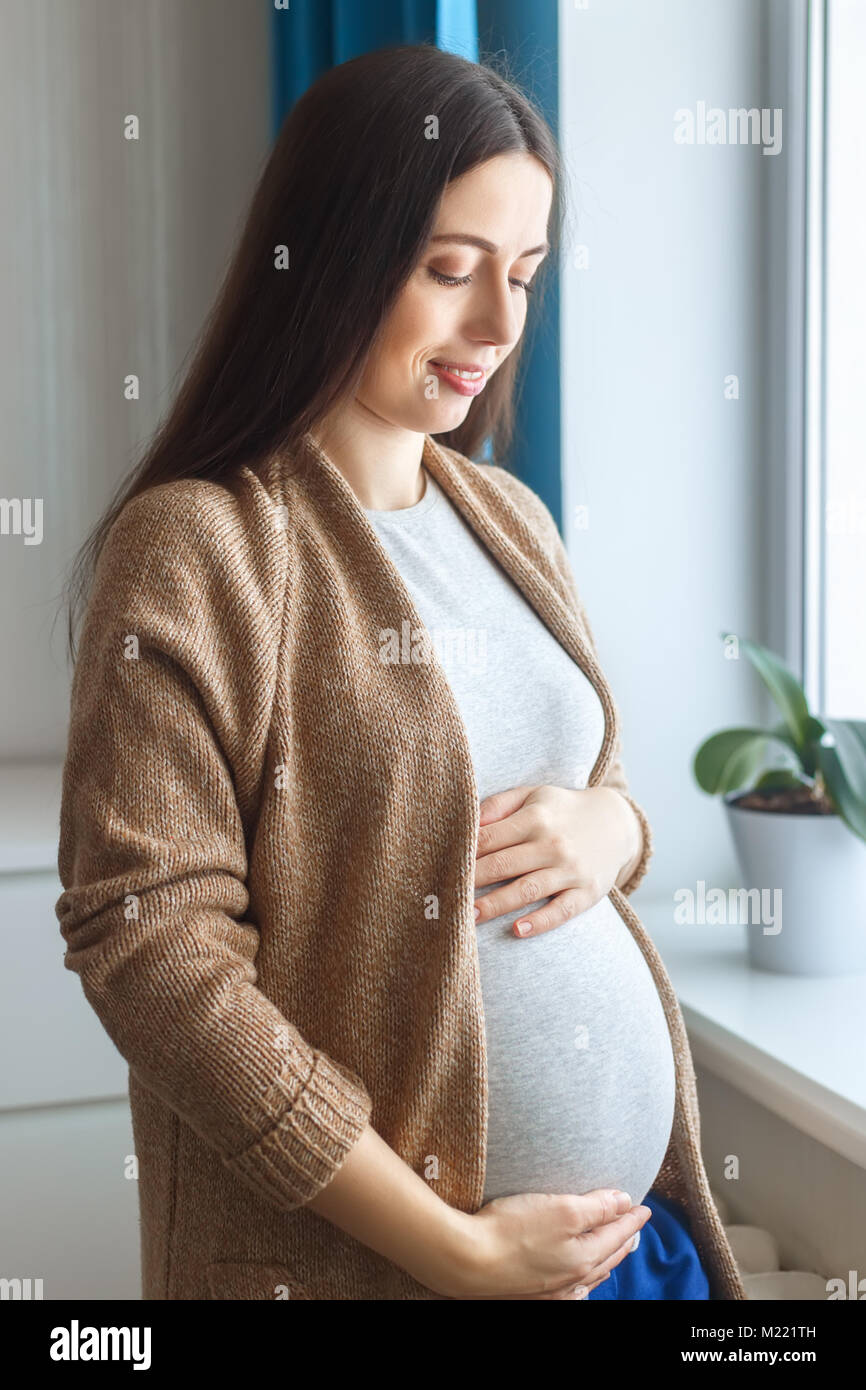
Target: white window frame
[
  {"x": 809, "y": 32},
  {"x": 813, "y": 533}
]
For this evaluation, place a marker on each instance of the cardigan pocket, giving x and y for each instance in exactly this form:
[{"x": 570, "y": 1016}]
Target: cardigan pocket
[{"x": 249, "y": 1280}]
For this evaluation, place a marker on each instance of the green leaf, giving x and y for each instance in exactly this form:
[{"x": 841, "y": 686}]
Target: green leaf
[
  {"x": 782, "y": 685},
  {"x": 816, "y": 730},
  {"x": 728, "y": 760},
  {"x": 850, "y": 736},
  {"x": 778, "y": 778},
  {"x": 850, "y": 807}
]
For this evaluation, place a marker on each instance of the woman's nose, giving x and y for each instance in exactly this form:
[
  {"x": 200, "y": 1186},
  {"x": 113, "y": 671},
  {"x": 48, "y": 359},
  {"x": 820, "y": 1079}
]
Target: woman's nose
[{"x": 495, "y": 318}]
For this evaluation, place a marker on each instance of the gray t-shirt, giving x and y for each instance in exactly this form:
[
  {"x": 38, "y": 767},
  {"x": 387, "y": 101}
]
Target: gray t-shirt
[{"x": 580, "y": 1065}]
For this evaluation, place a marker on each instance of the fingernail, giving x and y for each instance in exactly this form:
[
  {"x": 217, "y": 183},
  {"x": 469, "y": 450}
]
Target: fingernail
[
  {"x": 523, "y": 928},
  {"x": 636, "y": 1242},
  {"x": 477, "y": 913},
  {"x": 623, "y": 1201},
  {"x": 581, "y": 1292}
]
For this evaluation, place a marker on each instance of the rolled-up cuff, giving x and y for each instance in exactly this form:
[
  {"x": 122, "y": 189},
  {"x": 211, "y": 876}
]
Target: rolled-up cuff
[
  {"x": 647, "y": 851},
  {"x": 300, "y": 1155}
]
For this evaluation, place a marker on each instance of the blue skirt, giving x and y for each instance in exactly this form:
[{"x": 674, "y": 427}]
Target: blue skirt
[{"x": 665, "y": 1265}]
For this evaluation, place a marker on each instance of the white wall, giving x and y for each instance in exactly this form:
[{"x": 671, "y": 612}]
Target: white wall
[
  {"x": 673, "y": 475},
  {"x": 115, "y": 248}
]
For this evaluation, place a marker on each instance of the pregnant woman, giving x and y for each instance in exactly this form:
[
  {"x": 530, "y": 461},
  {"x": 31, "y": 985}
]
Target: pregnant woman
[{"x": 346, "y": 839}]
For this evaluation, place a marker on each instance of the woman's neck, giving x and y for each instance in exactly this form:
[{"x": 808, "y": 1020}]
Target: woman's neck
[{"x": 381, "y": 462}]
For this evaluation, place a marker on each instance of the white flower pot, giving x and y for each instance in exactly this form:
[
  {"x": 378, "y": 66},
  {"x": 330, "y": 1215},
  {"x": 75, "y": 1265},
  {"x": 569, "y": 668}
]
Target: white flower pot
[{"x": 819, "y": 867}]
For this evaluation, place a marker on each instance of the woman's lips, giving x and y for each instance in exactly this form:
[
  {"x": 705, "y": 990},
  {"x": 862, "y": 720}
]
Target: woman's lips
[{"x": 463, "y": 385}]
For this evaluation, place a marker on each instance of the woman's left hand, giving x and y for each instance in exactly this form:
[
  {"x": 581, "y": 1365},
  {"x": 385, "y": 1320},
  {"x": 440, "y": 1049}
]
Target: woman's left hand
[{"x": 561, "y": 843}]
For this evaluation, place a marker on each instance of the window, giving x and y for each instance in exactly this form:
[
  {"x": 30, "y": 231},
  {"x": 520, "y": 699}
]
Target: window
[{"x": 835, "y": 472}]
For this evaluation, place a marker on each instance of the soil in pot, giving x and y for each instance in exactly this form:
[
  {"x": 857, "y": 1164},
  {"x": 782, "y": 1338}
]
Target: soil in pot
[{"x": 795, "y": 801}]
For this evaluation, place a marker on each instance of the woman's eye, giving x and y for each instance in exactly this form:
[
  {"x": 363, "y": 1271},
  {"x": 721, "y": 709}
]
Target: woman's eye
[
  {"x": 448, "y": 279},
  {"x": 443, "y": 279}
]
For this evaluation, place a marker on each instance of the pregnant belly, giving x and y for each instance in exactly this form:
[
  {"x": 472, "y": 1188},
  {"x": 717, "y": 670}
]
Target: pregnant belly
[{"x": 581, "y": 1075}]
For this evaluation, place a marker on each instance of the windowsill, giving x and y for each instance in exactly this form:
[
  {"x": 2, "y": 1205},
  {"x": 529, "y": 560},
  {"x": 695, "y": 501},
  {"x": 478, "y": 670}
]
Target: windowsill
[{"x": 793, "y": 1043}]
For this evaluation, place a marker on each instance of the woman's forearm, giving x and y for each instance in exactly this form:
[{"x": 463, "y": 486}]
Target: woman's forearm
[{"x": 377, "y": 1198}]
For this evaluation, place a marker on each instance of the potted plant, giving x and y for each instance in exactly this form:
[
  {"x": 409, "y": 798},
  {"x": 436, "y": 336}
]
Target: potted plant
[{"x": 795, "y": 799}]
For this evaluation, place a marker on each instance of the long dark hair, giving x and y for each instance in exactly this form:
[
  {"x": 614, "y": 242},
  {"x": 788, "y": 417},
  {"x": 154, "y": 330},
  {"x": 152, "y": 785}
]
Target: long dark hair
[{"x": 350, "y": 190}]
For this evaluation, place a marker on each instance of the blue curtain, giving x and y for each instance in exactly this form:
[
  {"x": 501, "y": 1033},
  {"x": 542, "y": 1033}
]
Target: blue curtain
[
  {"x": 528, "y": 32},
  {"x": 310, "y": 36}
]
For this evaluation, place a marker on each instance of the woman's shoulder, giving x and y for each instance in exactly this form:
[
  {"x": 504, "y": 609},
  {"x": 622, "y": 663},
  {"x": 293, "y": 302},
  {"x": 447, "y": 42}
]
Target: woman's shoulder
[
  {"x": 195, "y": 542},
  {"x": 198, "y": 512}
]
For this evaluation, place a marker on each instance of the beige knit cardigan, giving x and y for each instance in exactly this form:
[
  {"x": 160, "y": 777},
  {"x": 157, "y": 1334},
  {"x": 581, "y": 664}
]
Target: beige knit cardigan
[{"x": 257, "y": 814}]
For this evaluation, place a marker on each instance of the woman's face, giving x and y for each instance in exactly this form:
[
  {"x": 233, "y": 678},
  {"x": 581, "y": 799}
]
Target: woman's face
[{"x": 464, "y": 305}]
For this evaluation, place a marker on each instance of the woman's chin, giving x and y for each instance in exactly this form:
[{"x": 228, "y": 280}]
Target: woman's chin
[{"x": 440, "y": 420}]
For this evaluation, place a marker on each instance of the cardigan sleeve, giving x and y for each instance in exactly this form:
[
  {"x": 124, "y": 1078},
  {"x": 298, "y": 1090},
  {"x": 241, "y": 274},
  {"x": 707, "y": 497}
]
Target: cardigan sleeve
[
  {"x": 541, "y": 522},
  {"x": 169, "y": 705}
]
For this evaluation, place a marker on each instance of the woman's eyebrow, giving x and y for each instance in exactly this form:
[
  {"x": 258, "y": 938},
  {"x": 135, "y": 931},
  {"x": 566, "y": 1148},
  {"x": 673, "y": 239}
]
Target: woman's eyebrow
[{"x": 466, "y": 239}]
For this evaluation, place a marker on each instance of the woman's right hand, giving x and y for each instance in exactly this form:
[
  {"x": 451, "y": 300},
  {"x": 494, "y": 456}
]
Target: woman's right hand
[
  {"x": 539, "y": 1246},
  {"x": 528, "y": 1246}
]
